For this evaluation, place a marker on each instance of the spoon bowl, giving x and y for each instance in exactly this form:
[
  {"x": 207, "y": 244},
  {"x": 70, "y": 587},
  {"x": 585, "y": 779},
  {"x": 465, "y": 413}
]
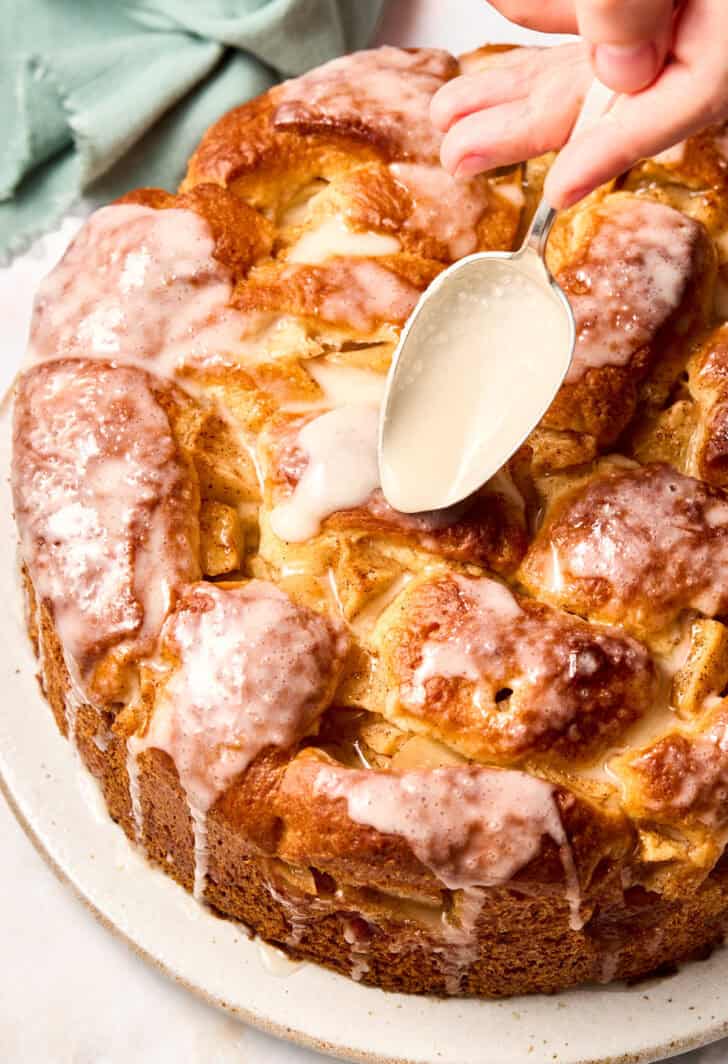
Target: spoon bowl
[{"x": 477, "y": 366}]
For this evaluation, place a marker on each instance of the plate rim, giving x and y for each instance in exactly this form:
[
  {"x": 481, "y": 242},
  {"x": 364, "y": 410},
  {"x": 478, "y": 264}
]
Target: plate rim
[
  {"x": 22, "y": 806},
  {"x": 651, "y": 1054},
  {"x": 261, "y": 1023}
]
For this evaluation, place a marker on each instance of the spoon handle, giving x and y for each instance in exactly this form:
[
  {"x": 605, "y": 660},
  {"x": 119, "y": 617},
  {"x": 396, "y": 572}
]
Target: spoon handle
[
  {"x": 595, "y": 104},
  {"x": 540, "y": 229}
]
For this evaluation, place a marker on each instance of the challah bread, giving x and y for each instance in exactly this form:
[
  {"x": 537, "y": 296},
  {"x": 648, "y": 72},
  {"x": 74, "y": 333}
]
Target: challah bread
[{"x": 475, "y": 752}]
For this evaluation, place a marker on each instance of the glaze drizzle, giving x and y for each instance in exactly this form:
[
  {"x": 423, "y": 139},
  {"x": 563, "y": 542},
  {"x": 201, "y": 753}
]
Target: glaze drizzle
[
  {"x": 254, "y": 670},
  {"x": 471, "y": 826},
  {"x": 632, "y": 278},
  {"x": 384, "y": 92},
  {"x": 612, "y": 543},
  {"x": 141, "y": 286},
  {"x": 106, "y": 508},
  {"x": 536, "y": 677}
]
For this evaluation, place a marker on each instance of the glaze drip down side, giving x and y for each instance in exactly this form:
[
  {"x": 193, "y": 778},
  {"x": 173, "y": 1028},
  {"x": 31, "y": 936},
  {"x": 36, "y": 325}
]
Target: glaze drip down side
[{"x": 252, "y": 671}]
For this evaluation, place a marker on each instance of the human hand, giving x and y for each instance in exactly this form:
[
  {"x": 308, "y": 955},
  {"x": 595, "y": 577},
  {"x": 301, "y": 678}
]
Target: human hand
[{"x": 526, "y": 101}]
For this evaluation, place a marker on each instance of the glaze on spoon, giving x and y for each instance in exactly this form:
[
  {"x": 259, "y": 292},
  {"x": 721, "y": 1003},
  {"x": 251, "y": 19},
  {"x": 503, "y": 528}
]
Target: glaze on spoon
[{"x": 477, "y": 366}]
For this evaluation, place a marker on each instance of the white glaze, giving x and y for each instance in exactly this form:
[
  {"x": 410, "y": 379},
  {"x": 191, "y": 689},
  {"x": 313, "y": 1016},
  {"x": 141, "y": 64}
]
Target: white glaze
[
  {"x": 341, "y": 472},
  {"x": 387, "y": 90},
  {"x": 71, "y": 704},
  {"x": 138, "y": 285},
  {"x": 102, "y": 740},
  {"x": 474, "y": 650},
  {"x": 104, "y": 507},
  {"x": 454, "y": 408},
  {"x": 298, "y": 915},
  {"x": 545, "y": 660},
  {"x": 712, "y": 757},
  {"x": 343, "y": 384},
  {"x": 333, "y": 237},
  {"x": 461, "y": 947},
  {"x": 333, "y": 460},
  {"x": 470, "y": 826},
  {"x": 358, "y": 936},
  {"x": 701, "y": 781},
  {"x": 633, "y": 528},
  {"x": 363, "y": 294},
  {"x": 253, "y": 670},
  {"x": 445, "y": 207},
  {"x": 200, "y": 850},
  {"x": 634, "y": 276},
  {"x": 609, "y": 963}
]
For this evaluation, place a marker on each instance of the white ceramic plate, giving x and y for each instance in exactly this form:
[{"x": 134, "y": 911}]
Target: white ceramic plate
[{"x": 60, "y": 808}]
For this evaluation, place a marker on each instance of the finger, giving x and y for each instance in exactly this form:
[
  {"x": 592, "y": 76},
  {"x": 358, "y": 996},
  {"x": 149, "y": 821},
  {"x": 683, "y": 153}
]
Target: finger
[
  {"x": 553, "y": 16},
  {"x": 634, "y": 128},
  {"x": 514, "y": 130},
  {"x": 631, "y": 39},
  {"x": 473, "y": 92},
  {"x": 498, "y": 83},
  {"x": 508, "y": 76},
  {"x": 505, "y": 134}
]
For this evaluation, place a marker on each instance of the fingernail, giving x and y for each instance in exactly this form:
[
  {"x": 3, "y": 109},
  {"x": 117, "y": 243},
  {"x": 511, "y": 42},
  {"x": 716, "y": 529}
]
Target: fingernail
[
  {"x": 472, "y": 165},
  {"x": 626, "y": 67}
]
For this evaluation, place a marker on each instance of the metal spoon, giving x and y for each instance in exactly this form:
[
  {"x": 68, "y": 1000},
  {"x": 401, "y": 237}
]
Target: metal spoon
[{"x": 477, "y": 365}]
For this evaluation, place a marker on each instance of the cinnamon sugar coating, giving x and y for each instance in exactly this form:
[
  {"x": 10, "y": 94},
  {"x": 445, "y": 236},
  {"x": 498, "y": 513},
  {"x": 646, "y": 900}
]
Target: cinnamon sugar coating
[{"x": 480, "y": 752}]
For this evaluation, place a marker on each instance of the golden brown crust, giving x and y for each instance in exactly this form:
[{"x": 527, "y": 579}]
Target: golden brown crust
[
  {"x": 698, "y": 163},
  {"x": 277, "y": 151},
  {"x": 327, "y": 112},
  {"x": 608, "y": 541},
  {"x": 489, "y": 529},
  {"x": 319, "y": 829},
  {"x": 552, "y": 684},
  {"x": 324, "y": 293},
  {"x": 628, "y": 935},
  {"x": 242, "y": 235},
  {"x": 73, "y": 421},
  {"x": 244, "y": 151},
  {"x": 602, "y": 401},
  {"x": 708, "y": 385}
]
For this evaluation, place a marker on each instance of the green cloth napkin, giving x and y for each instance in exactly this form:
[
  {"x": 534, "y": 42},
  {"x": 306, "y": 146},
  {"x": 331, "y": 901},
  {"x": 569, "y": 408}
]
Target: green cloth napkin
[{"x": 99, "y": 96}]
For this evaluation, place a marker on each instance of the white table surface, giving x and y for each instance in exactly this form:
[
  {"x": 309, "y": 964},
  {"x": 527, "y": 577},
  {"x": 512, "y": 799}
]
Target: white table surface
[{"x": 70, "y": 993}]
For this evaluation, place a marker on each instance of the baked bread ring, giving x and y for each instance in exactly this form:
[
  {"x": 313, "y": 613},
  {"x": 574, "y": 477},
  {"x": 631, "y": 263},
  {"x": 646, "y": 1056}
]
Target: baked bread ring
[{"x": 480, "y": 752}]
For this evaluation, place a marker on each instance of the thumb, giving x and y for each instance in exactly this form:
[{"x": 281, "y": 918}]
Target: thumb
[{"x": 629, "y": 38}]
